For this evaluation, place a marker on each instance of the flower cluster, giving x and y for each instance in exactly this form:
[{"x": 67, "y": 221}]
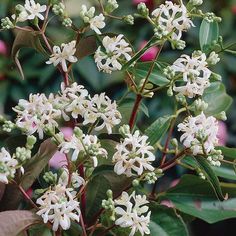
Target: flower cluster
[
  {"x": 8, "y": 166},
  {"x": 117, "y": 50},
  {"x": 41, "y": 113},
  {"x": 36, "y": 114},
  {"x": 133, "y": 213},
  {"x": 85, "y": 144},
  {"x": 199, "y": 133},
  {"x": 133, "y": 155},
  {"x": 63, "y": 54},
  {"x": 195, "y": 73},
  {"x": 96, "y": 22},
  {"x": 171, "y": 20},
  {"x": 58, "y": 206}
]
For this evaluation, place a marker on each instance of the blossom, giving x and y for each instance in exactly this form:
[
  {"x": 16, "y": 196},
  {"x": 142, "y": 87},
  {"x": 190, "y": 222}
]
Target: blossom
[
  {"x": 195, "y": 73},
  {"x": 34, "y": 9},
  {"x": 36, "y": 114},
  {"x": 133, "y": 155},
  {"x": 58, "y": 206},
  {"x": 172, "y": 19},
  {"x": 63, "y": 54},
  {"x": 116, "y": 49},
  {"x": 87, "y": 144},
  {"x": 8, "y": 166},
  {"x": 150, "y": 54},
  {"x": 103, "y": 110},
  {"x": 97, "y": 23},
  {"x": 199, "y": 132},
  {"x": 133, "y": 213}
]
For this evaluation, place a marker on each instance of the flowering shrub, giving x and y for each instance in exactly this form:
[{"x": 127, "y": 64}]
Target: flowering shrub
[{"x": 109, "y": 184}]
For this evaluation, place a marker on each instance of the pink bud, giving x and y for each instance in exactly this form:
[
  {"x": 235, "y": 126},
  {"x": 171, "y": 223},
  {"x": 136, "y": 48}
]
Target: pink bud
[
  {"x": 3, "y": 48},
  {"x": 233, "y": 9},
  {"x": 29, "y": 192},
  {"x": 59, "y": 159},
  {"x": 222, "y": 133},
  {"x": 150, "y": 54},
  {"x": 149, "y": 3}
]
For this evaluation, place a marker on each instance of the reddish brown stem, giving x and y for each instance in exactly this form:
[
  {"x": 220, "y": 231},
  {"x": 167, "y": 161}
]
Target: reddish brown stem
[
  {"x": 135, "y": 111},
  {"x": 104, "y": 233},
  {"x": 58, "y": 232},
  {"x": 83, "y": 195}
]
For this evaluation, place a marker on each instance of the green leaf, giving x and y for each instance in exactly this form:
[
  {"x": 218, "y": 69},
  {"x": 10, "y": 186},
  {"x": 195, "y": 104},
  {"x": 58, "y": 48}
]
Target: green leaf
[
  {"x": 86, "y": 46},
  {"x": 217, "y": 98},
  {"x": 37, "y": 163},
  {"x": 25, "y": 39},
  {"x": 13, "y": 223},
  {"x": 209, "y": 31},
  {"x": 158, "y": 129},
  {"x": 165, "y": 222},
  {"x": 210, "y": 175},
  {"x": 195, "y": 197},
  {"x": 156, "y": 77},
  {"x": 104, "y": 178}
]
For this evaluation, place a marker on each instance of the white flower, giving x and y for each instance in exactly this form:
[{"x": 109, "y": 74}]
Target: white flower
[
  {"x": 199, "y": 132},
  {"x": 63, "y": 54},
  {"x": 36, "y": 114},
  {"x": 7, "y": 166},
  {"x": 58, "y": 206},
  {"x": 34, "y": 9},
  {"x": 194, "y": 72},
  {"x": 103, "y": 110},
  {"x": 116, "y": 50},
  {"x": 87, "y": 144},
  {"x": 133, "y": 213},
  {"x": 97, "y": 23},
  {"x": 133, "y": 155},
  {"x": 172, "y": 19},
  {"x": 213, "y": 58}
]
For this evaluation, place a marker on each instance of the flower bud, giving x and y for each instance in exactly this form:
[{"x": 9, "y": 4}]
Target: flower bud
[
  {"x": 124, "y": 130},
  {"x": 143, "y": 10},
  {"x": 58, "y": 9},
  {"x": 221, "y": 116},
  {"x": 135, "y": 183},
  {"x": 78, "y": 132},
  {"x": 196, "y": 2},
  {"x": 129, "y": 19},
  {"x": 109, "y": 193},
  {"x": 213, "y": 58},
  {"x": 8, "y": 126},
  {"x": 22, "y": 154},
  {"x": 67, "y": 22},
  {"x": 170, "y": 91},
  {"x": 6, "y": 23},
  {"x": 50, "y": 178},
  {"x": 31, "y": 140},
  {"x": 111, "y": 6},
  {"x": 174, "y": 142},
  {"x": 181, "y": 99}
]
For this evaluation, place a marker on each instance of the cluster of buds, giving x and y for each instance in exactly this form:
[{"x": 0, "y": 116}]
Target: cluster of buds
[
  {"x": 6, "y": 23},
  {"x": 50, "y": 177},
  {"x": 109, "y": 205},
  {"x": 111, "y": 6},
  {"x": 215, "y": 158},
  {"x": 59, "y": 10}
]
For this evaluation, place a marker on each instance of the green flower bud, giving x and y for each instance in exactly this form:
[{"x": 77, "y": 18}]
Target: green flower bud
[
  {"x": 8, "y": 126},
  {"x": 129, "y": 19},
  {"x": 6, "y": 23},
  {"x": 124, "y": 130},
  {"x": 213, "y": 59},
  {"x": 19, "y": 8},
  {"x": 135, "y": 183},
  {"x": 22, "y": 154},
  {"x": 221, "y": 116},
  {"x": 181, "y": 99},
  {"x": 109, "y": 193},
  {"x": 196, "y": 2},
  {"x": 31, "y": 140},
  {"x": 58, "y": 9},
  {"x": 143, "y": 10},
  {"x": 111, "y": 6},
  {"x": 170, "y": 92},
  {"x": 50, "y": 178},
  {"x": 67, "y": 22},
  {"x": 174, "y": 142},
  {"x": 78, "y": 132}
]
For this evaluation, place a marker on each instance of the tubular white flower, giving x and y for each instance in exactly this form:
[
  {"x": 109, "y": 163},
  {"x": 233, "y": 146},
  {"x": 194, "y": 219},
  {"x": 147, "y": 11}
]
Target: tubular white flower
[
  {"x": 8, "y": 166},
  {"x": 199, "y": 132},
  {"x": 63, "y": 54},
  {"x": 88, "y": 144},
  {"x": 133, "y": 213},
  {"x": 172, "y": 19},
  {"x": 133, "y": 155},
  {"x": 97, "y": 23},
  {"x": 34, "y": 9},
  {"x": 58, "y": 206},
  {"x": 116, "y": 50},
  {"x": 194, "y": 72},
  {"x": 103, "y": 110},
  {"x": 36, "y": 114}
]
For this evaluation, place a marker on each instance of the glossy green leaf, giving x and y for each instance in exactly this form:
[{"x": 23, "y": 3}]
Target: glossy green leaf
[
  {"x": 210, "y": 175},
  {"x": 217, "y": 98},
  {"x": 209, "y": 31},
  {"x": 13, "y": 223},
  {"x": 157, "y": 129},
  {"x": 195, "y": 197},
  {"x": 156, "y": 77},
  {"x": 165, "y": 222}
]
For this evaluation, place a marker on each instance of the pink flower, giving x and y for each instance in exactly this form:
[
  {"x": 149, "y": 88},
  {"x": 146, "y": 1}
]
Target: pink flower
[
  {"x": 222, "y": 133},
  {"x": 150, "y": 54},
  {"x": 3, "y": 48},
  {"x": 149, "y": 3},
  {"x": 59, "y": 159}
]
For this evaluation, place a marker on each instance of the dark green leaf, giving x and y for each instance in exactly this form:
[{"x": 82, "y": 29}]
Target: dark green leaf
[
  {"x": 209, "y": 31},
  {"x": 195, "y": 197},
  {"x": 165, "y": 222},
  {"x": 217, "y": 98},
  {"x": 158, "y": 129}
]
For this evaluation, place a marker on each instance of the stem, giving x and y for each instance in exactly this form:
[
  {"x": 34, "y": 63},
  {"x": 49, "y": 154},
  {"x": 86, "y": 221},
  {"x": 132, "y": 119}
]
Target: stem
[
  {"x": 104, "y": 233},
  {"x": 58, "y": 232},
  {"x": 83, "y": 195},
  {"x": 83, "y": 226},
  {"x": 135, "y": 111}
]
